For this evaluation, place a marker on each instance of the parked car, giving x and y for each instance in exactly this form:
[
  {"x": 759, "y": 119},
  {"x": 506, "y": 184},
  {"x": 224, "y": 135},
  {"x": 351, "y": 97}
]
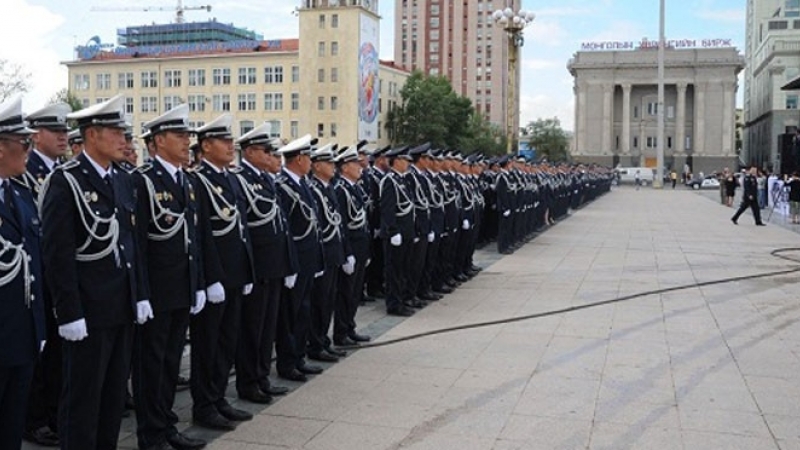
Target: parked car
[{"x": 709, "y": 182}]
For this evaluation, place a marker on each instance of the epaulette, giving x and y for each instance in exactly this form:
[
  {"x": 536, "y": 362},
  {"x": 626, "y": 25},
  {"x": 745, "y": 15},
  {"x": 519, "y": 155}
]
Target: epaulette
[
  {"x": 144, "y": 168},
  {"x": 69, "y": 165}
]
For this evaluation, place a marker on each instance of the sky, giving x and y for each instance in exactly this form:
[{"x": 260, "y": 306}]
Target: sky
[{"x": 40, "y": 34}]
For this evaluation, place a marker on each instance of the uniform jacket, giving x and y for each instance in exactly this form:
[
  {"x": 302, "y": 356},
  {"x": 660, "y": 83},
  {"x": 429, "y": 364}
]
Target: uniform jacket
[
  {"x": 302, "y": 215},
  {"x": 330, "y": 224},
  {"x": 397, "y": 208},
  {"x": 352, "y": 201}
]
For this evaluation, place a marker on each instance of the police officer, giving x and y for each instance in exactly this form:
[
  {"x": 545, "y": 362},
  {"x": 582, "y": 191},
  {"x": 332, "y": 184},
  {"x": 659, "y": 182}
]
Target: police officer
[
  {"x": 88, "y": 224},
  {"x": 130, "y": 159},
  {"x": 506, "y": 204},
  {"x": 169, "y": 239},
  {"x": 75, "y": 141},
  {"x": 352, "y": 201},
  {"x": 273, "y": 259},
  {"x": 370, "y": 182},
  {"x": 22, "y": 312},
  {"x": 49, "y": 149},
  {"x": 228, "y": 270},
  {"x": 294, "y": 312},
  {"x": 749, "y": 197}
]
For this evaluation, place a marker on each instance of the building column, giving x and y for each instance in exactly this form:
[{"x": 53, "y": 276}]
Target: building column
[
  {"x": 578, "y": 105},
  {"x": 608, "y": 122},
  {"x": 626, "y": 119},
  {"x": 699, "y": 118},
  {"x": 680, "y": 121},
  {"x": 582, "y": 134},
  {"x": 728, "y": 117}
]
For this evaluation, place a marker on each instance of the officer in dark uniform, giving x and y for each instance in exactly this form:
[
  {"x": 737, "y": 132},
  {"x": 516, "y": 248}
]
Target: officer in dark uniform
[
  {"x": 22, "y": 327},
  {"x": 294, "y": 313},
  {"x": 749, "y": 197},
  {"x": 228, "y": 272},
  {"x": 49, "y": 149},
  {"x": 273, "y": 260},
  {"x": 504, "y": 188},
  {"x": 169, "y": 239},
  {"x": 415, "y": 181},
  {"x": 130, "y": 160},
  {"x": 88, "y": 234},
  {"x": 370, "y": 182},
  {"x": 75, "y": 141},
  {"x": 352, "y": 201},
  {"x": 397, "y": 230}
]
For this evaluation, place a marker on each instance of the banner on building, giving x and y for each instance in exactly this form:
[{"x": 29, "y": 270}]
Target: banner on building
[{"x": 368, "y": 65}]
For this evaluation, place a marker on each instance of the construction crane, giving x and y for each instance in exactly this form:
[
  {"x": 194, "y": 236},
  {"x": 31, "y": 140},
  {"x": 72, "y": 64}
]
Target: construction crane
[{"x": 179, "y": 9}]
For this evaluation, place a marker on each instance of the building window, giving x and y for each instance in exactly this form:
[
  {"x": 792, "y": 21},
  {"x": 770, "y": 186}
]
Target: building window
[
  {"x": 322, "y": 21},
  {"x": 688, "y": 143},
  {"x": 635, "y": 142},
  {"x": 197, "y": 77},
  {"x": 221, "y": 102},
  {"x": 172, "y": 78},
  {"x": 103, "y": 81},
  {"x": 333, "y": 130},
  {"x": 247, "y": 75},
  {"x": 791, "y": 101},
  {"x": 149, "y": 79},
  {"x": 334, "y": 48},
  {"x": 247, "y": 102},
  {"x": 278, "y": 101},
  {"x": 149, "y": 104},
  {"x": 652, "y": 108},
  {"x": 635, "y": 113},
  {"x": 245, "y": 126},
  {"x": 295, "y": 101},
  {"x": 221, "y": 77},
  {"x": 295, "y": 74},
  {"x": 321, "y": 49},
  {"x": 434, "y": 22},
  {"x": 274, "y": 74},
  {"x": 197, "y": 102},
  {"x": 669, "y": 141},
  {"x": 670, "y": 112},
  {"x": 321, "y": 75},
  {"x": 334, "y": 103},
  {"x": 85, "y": 102},
  {"x": 320, "y": 130},
  {"x": 334, "y": 21},
  {"x": 171, "y": 101},
  {"x": 321, "y": 103},
  {"x": 334, "y": 75},
  {"x": 293, "y": 129},
  {"x": 101, "y": 99},
  {"x": 125, "y": 80},
  {"x": 129, "y": 105}
]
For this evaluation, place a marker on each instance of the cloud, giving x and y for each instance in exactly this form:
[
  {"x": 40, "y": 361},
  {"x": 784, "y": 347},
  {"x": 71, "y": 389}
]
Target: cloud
[
  {"x": 540, "y": 64},
  {"x": 546, "y": 32},
  {"x": 540, "y": 106},
  {"x": 563, "y": 12},
  {"x": 737, "y": 15}
]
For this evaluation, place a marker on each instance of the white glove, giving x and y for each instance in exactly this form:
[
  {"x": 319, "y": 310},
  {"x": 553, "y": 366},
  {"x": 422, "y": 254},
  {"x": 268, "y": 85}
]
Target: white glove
[
  {"x": 396, "y": 240},
  {"x": 319, "y": 274},
  {"x": 41, "y": 346},
  {"x": 199, "y": 302},
  {"x": 144, "y": 311},
  {"x": 247, "y": 289},
  {"x": 465, "y": 224},
  {"x": 506, "y": 213},
  {"x": 431, "y": 236},
  {"x": 73, "y": 331},
  {"x": 290, "y": 280},
  {"x": 367, "y": 263},
  {"x": 216, "y": 293},
  {"x": 350, "y": 266}
]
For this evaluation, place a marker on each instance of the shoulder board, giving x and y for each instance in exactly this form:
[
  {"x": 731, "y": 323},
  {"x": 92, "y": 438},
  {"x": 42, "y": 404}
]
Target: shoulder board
[
  {"x": 69, "y": 165},
  {"x": 144, "y": 168}
]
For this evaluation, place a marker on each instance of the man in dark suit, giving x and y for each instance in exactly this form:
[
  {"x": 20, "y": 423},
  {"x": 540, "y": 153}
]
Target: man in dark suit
[
  {"x": 49, "y": 148},
  {"x": 169, "y": 239},
  {"x": 397, "y": 230},
  {"x": 750, "y": 197},
  {"x": 273, "y": 260},
  {"x": 88, "y": 224},
  {"x": 215, "y": 330},
  {"x": 294, "y": 313},
  {"x": 21, "y": 307}
]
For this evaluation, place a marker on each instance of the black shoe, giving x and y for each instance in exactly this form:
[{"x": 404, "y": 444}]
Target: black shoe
[
  {"x": 214, "y": 421},
  {"x": 309, "y": 369},
  {"x": 400, "y": 311},
  {"x": 461, "y": 277},
  {"x": 237, "y": 415},
  {"x": 335, "y": 352},
  {"x": 43, "y": 436},
  {"x": 323, "y": 356},
  {"x": 183, "y": 384},
  {"x": 359, "y": 337},
  {"x": 418, "y": 304},
  {"x": 275, "y": 390},
  {"x": 255, "y": 395},
  {"x": 377, "y": 294},
  {"x": 475, "y": 268},
  {"x": 368, "y": 298},
  {"x": 294, "y": 375},
  {"x": 452, "y": 283},
  {"x": 345, "y": 342},
  {"x": 428, "y": 296},
  {"x": 180, "y": 441},
  {"x": 163, "y": 445},
  {"x": 734, "y": 221},
  {"x": 761, "y": 224},
  {"x": 443, "y": 290}
]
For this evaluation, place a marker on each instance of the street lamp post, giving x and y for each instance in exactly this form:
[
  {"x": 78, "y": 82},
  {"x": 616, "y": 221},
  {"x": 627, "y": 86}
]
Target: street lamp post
[{"x": 512, "y": 23}]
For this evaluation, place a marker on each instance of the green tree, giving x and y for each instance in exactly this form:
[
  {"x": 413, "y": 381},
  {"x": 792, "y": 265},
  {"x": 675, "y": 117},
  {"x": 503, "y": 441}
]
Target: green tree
[
  {"x": 13, "y": 79},
  {"x": 548, "y": 138},
  {"x": 482, "y": 136},
  {"x": 66, "y": 96}
]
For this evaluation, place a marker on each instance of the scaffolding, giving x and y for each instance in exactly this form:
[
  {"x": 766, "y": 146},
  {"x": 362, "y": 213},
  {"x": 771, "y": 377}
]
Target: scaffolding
[{"x": 183, "y": 33}]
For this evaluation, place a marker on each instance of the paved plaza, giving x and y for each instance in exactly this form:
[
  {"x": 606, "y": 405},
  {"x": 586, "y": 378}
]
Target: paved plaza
[{"x": 709, "y": 368}]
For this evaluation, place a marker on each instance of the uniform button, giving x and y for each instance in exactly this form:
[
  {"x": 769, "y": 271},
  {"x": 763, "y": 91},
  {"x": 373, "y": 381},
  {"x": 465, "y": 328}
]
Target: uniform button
[
  {"x": 33, "y": 278},
  {"x": 190, "y": 257},
  {"x": 122, "y": 247},
  {"x": 33, "y": 297}
]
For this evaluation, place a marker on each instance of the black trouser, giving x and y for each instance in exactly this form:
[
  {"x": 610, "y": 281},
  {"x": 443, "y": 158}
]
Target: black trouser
[
  {"x": 46, "y": 385},
  {"x": 157, "y": 351},
  {"x": 446, "y": 258},
  {"x": 431, "y": 269},
  {"x": 215, "y": 331},
  {"x": 323, "y": 297},
  {"x": 14, "y": 389},
  {"x": 754, "y": 207},
  {"x": 348, "y": 297},
  {"x": 374, "y": 275},
  {"x": 257, "y": 335},
  {"x": 416, "y": 264},
  {"x": 95, "y": 374},
  {"x": 396, "y": 264},
  {"x": 294, "y": 318}
]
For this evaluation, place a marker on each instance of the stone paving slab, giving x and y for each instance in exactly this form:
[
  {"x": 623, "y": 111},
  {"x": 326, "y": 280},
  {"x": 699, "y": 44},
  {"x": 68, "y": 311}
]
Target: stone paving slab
[{"x": 707, "y": 368}]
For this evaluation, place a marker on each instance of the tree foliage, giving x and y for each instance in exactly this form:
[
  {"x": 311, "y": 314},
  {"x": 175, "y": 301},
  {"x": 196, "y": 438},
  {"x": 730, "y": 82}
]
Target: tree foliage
[
  {"x": 13, "y": 79},
  {"x": 431, "y": 111},
  {"x": 66, "y": 96},
  {"x": 548, "y": 138}
]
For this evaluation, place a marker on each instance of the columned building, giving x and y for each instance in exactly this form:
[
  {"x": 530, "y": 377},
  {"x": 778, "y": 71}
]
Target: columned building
[{"x": 616, "y": 108}]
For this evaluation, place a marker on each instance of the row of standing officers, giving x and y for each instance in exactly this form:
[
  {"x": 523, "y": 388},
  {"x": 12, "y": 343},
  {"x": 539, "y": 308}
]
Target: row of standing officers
[{"x": 247, "y": 258}]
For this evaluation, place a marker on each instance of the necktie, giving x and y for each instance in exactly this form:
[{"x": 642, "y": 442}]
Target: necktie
[
  {"x": 179, "y": 178},
  {"x": 110, "y": 183},
  {"x": 8, "y": 198}
]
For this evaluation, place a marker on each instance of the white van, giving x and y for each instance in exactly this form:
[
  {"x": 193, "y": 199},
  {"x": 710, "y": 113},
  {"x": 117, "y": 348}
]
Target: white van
[{"x": 627, "y": 175}]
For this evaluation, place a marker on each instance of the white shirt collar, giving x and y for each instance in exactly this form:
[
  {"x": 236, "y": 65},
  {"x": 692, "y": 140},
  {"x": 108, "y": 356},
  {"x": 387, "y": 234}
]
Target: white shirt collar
[
  {"x": 50, "y": 163},
  {"x": 216, "y": 169},
  {"x": 247, "y": 163},
  {"x": 324, "y": 183},
  {"x": 171, "y": 170},
  {"x": 292, "y": 175},
  {"x": 100, "y": 170}
]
